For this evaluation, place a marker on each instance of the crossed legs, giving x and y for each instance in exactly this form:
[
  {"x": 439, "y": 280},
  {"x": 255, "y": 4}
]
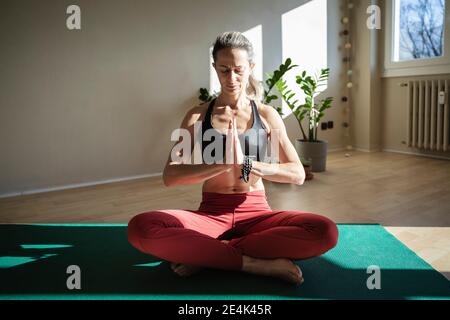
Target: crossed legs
[{"x": 264, "y": 245}]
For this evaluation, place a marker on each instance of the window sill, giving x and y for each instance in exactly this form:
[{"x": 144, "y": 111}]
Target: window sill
[{"x": 415, "y": 71}]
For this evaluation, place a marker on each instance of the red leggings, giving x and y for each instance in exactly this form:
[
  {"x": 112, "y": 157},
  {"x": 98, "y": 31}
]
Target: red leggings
[{"x": 193, "y": 236}]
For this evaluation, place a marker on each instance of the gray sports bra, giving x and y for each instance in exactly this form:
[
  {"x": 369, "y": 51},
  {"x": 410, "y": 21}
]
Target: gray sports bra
[{"x": 253, "y": 141}]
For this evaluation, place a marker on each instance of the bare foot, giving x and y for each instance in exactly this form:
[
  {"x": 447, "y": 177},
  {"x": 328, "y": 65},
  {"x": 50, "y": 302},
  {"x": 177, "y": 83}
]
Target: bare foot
[
  {"x": 284, "y": 269},
  {"x": 185, "y": 270}
]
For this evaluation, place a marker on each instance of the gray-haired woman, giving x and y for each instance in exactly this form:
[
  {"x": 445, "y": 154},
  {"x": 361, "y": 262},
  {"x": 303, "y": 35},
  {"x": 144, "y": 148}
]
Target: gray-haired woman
[{"x": 234, "y": 227}]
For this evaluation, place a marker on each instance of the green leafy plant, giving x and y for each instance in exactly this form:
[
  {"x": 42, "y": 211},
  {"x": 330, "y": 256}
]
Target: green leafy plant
[
  {"x": 313, "y": 111},
  {"x": 272, "y": 80},
  {"x": 205, "y": 96}
]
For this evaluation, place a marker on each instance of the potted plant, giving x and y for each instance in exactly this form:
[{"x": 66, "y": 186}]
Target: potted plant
[
  {"x": 309, "y": 147},
  {"x": 307, "y": 165},
  {"x": 271, "y": 83}
]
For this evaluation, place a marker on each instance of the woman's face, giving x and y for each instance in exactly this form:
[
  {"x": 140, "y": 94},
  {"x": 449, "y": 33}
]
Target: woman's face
[{"x": 233, "y": 69}]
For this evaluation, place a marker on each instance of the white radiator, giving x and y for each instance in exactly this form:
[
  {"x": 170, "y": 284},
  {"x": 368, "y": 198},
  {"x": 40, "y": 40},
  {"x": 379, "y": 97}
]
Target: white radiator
[{"x": 428, "y": 115}]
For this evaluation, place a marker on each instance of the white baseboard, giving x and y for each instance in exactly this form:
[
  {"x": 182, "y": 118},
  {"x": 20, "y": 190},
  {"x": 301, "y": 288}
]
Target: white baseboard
[
  {"x": 417, "y": 154},
  {"x": 78, "y": 185},
  {"x": 93, "y": 183},
  {"x": 402, "y": 152}
]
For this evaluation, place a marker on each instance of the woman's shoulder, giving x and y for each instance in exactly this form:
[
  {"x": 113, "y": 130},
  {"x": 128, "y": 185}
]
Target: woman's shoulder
[
  {"x": 197, "y": 112},
  {"x": 266, "y": 114},
  {"x": 265, "y": 110}
]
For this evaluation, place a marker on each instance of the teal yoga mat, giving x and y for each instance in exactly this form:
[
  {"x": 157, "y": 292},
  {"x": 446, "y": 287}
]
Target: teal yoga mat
[{"x": 34, "y": 259}]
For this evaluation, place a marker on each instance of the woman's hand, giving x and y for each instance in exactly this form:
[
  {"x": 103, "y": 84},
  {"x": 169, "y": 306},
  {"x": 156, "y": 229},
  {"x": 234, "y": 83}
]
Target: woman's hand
[
  {"x": 229, "y": 145},
  {"x": 238, "y": 154},
  {"x": 262, "y": 169},
  {"x": 234, "y": 154}
]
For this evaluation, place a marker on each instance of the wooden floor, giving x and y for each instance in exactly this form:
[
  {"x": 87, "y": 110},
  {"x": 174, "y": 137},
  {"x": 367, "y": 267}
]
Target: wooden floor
[{"x": 408, "y": 195}]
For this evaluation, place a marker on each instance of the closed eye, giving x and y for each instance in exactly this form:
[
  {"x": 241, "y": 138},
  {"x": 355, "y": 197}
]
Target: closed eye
[{"x": 237, "y": 71}]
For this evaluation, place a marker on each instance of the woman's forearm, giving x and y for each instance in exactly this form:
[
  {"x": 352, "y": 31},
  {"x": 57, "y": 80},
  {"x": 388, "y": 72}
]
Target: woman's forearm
[
  {"x": 184, "y": 174},
  {"x": 280, "y": 172}
]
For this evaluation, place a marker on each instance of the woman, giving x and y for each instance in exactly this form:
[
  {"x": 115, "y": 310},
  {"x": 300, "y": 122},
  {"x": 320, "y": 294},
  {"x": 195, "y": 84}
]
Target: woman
[{"x": 234, "y": 227}]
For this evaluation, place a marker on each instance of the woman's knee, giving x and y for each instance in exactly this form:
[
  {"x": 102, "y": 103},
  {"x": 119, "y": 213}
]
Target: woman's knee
[
  {"x": 146, "y": 224},
  {"x": 329, "y": 233}
]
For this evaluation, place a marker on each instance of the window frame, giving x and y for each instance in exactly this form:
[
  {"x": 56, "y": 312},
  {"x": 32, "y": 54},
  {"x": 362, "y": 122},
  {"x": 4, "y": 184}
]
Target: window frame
[{"x": 417, "y": 67}]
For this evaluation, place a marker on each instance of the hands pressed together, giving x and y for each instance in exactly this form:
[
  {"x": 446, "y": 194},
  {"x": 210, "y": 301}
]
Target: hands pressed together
[
  {"x": 235, "y": 155},
  {"x": 236, "y": 152}
]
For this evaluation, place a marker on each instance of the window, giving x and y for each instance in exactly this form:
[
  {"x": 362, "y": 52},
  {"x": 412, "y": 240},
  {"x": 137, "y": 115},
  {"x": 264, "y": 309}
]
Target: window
[
  {"x": 415, "y": 37},
  {"x": 419, "y": 29},
  {"x": 304, "y": 31}
]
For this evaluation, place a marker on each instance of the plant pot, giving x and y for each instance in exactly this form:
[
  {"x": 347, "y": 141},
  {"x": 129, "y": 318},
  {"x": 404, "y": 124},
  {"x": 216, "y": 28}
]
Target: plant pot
[
  {"x": 308, "y": 172},
  {"x": 316, "y": 151}
]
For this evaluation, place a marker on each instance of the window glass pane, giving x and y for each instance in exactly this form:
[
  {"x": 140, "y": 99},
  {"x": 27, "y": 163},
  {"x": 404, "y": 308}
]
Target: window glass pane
[
  {"x": 305, "y": 41},
  {"x": 419, "y": 29}
]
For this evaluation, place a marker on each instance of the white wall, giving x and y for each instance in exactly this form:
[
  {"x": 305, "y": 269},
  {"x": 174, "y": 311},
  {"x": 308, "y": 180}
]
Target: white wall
[{"x": 100, "y": 103}]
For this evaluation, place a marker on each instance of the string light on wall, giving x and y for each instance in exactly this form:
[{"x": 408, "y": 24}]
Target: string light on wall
[{"x": 347, "y": 60}]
